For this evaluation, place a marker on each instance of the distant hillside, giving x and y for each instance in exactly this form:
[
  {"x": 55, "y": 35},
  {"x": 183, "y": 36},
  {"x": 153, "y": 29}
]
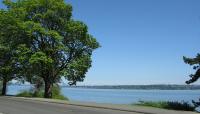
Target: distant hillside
[{"x": 144, "y": 87}]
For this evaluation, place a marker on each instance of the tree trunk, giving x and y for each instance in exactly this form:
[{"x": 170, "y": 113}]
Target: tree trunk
[
  {"x": 4, "y": 88},
  {"x": 48, "y": 89}
]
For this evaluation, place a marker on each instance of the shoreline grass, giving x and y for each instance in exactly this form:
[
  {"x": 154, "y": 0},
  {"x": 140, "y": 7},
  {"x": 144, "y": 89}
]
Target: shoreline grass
[{"x": 171, "y": 105}]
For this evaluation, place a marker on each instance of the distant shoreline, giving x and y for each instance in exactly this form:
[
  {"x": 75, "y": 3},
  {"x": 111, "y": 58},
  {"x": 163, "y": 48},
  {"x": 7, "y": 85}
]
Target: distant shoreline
[
  {"x": 142, "y": 87},
  {"x": 133, "y": 87}
]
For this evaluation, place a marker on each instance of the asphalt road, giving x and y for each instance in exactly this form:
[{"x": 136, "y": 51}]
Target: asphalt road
[{"x": 19, "y": 106}]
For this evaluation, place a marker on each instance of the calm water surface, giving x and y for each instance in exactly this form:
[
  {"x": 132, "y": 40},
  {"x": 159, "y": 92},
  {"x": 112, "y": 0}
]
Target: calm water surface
[{"x": 116, "y": 96}]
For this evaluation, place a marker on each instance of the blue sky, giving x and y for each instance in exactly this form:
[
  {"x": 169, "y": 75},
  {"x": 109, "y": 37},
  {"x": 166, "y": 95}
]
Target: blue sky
[{"x": 143, "y": 41}]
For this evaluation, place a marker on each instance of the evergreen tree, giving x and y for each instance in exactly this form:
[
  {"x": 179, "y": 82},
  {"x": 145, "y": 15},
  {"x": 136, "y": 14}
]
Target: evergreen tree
[{"x": 195, "y": 62}]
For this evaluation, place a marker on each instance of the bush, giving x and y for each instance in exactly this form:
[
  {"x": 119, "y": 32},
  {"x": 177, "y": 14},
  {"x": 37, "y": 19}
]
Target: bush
[
  {"x": 0, "y": 87},
  {"x": 56, "y": 93},
  {"x": 25, "y": 94},
  {"x": 39, "y": 94},
  {"x": 180, "y": 106},
  {"x": 174, "y": 105}
]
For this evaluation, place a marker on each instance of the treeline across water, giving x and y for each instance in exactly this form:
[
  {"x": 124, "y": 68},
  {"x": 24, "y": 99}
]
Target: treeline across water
[{"x": 144, "y": 87}]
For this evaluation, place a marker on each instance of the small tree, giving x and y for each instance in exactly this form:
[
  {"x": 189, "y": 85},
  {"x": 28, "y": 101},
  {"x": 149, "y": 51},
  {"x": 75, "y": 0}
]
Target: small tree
[{"x": 195, "y": 62}]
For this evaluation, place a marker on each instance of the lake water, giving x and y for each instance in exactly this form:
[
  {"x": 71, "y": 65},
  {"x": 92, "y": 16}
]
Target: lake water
[{"x": 116, "y": 96}]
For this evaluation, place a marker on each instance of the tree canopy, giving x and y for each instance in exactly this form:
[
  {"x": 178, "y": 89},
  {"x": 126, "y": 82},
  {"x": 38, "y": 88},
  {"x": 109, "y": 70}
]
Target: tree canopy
[{"x": 46, "y": 42}]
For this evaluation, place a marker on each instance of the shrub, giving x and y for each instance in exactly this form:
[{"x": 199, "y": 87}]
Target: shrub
[
  {"x": 180, "y": 106},
  {"x": 39, "y": 94},
  {"x": 174, "y": 105},
  {"x": 0, "y": 87},
  {"x": 25, "y": 94},
  {"x": 56, "y": 93}
]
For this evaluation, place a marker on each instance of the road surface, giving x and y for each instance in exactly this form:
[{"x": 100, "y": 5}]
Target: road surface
[
  {"x": 15, "y": 105},
  {"x": 19, "y": 106}
]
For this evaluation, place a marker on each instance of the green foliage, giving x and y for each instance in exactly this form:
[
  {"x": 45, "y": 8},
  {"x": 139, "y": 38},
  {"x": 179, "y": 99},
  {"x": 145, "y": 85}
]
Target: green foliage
[
  {"x": 39, "y": 58},
  {"x": 30, "y": 94},
  {"x": 46, "y": 42},
  {"x": 1, "y": 86},
  {"x": 39, "y": 94},
  {"x": 10, "y": 36},
  {"x": 77, "y": 69},
  {"x": 173, "y": 105},
  {"x": 159, "y": 104},
  {"x": 25, "y": 94},
  {"x": 56, "y": 93}
]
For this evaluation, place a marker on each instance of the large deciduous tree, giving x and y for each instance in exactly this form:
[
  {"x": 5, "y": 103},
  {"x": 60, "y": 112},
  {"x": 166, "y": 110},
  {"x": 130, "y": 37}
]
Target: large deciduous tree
[{"x": 55, "y": 45}]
